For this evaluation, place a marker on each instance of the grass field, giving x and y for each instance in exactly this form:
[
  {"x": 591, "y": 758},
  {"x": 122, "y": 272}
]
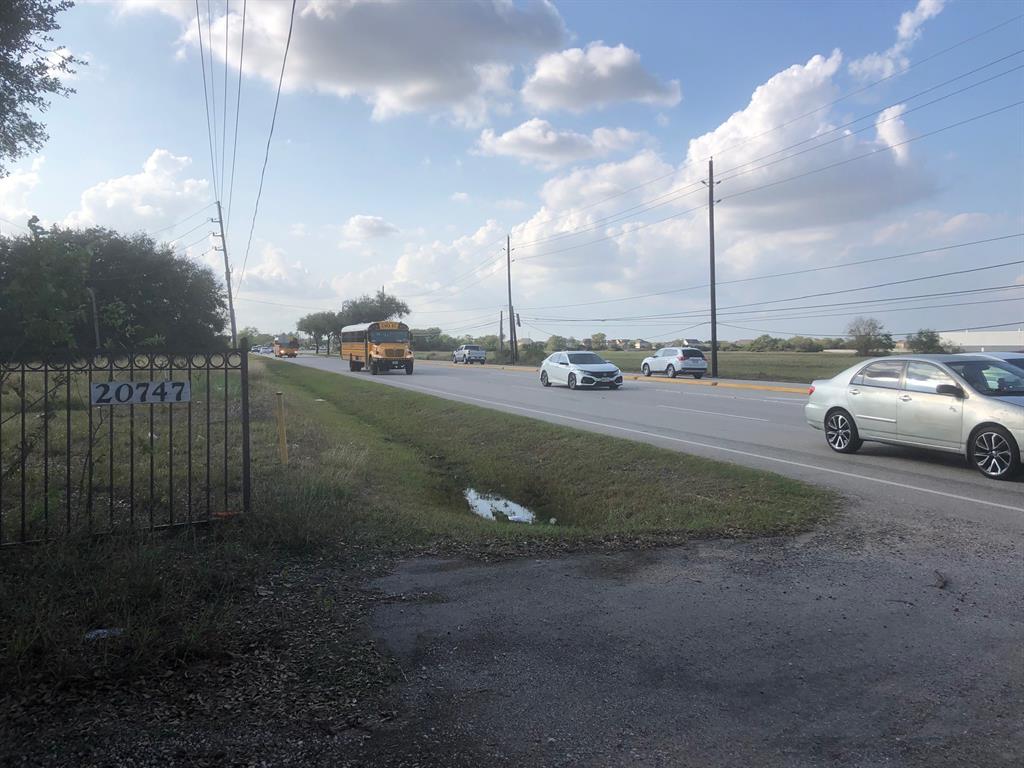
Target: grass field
[
  {"x": 801, "y": 367},
  {"x": 375, "y": 473}
]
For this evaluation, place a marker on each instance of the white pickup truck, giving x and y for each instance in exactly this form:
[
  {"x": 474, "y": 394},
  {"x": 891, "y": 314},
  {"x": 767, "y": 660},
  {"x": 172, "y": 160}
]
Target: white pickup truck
[{"x": 469, "y": 353}]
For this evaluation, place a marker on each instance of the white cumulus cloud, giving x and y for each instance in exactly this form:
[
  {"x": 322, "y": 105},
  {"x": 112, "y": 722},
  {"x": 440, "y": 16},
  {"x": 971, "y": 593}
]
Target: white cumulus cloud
[
  {"x": 578, "y": 79},
  {"x": 399, "y": 57},
  {"x": 363, "y": 227},
  {"x": 537, "y": 141},
  {"x": 156, "y": 197},
  {"x": 15, "y": 189},
  {"x": 887, "y": 63}
]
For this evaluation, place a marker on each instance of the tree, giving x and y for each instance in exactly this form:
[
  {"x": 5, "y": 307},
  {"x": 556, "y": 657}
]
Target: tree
[
  {"x": 924, "y": 341},
  {"x": 369, "y": 309},
  {"x": 146, "y": 296},
  {"x": 320, "y": 326},
  {"x": 598, "y": 340},
  {"x": 869, "y": 337},
  {"x": 255, "y": 336},
  {"x": 30, "y": 72},
  {"x": 555, "y": 343}
]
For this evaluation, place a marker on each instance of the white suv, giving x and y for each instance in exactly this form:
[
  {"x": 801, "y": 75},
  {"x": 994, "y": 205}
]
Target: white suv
[
  {"x": 674, "y": 361},
  {"x": 469, "y": 353}
]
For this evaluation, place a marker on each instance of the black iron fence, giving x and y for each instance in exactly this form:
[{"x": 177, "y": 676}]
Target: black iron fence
[{"x": 120, "y": 442}]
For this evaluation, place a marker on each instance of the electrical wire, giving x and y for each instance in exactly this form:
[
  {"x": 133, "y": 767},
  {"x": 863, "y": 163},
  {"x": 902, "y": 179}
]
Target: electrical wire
[
  {"x": 270, "y": 136},
  {"x": 779, "y": 126},
  {"x": 224, "y": 121},
  {"x": 238, "y": 107},
  {"x": 781, "y": 274},
  {"x": 848, "y": 335},
  {"x": 206, "y": 99},
  {"x": 213, "y": 82},
  {"x": 189, "y": 232},
  {"x": 179, "y": 223}
]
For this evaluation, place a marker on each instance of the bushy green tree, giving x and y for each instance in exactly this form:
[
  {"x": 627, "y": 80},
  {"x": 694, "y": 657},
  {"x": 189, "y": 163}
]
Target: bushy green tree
[
  {"x": 869, "y": 337},
  {"x": 31, "y": 67},
  {"x": 146, "y": 296},
  {"x": 925, "y": 341}
]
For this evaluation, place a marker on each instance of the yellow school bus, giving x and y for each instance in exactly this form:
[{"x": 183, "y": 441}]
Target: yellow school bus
[
  {"x": 379, "y": 346},
  {"x": 286, "y": 347}
]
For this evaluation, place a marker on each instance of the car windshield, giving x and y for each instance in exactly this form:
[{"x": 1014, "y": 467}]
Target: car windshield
[
  {"x": 472, "y": 347},
  {"x": 585, "y": 358},
  {"x": 990, "y": 377},
  {"x": 378, "y": 336}
]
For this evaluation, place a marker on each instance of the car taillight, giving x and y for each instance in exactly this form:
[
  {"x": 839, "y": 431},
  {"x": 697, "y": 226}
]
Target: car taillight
[
  {"x": 680, "y": 358},
  {"x": 810, "y": 391}
]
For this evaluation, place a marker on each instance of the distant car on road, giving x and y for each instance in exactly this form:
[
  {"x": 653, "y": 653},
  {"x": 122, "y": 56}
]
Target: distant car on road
[
  {"x": 579, "y": 369},
  {"x": 1013, "y": 358},
  {"x": 673, "y": 361},
  {"x": 470, "y": 353},
  {"x": 967, "y": 404}
]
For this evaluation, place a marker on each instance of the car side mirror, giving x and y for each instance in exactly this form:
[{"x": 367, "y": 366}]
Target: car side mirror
[{"x": 953, "y": 390}]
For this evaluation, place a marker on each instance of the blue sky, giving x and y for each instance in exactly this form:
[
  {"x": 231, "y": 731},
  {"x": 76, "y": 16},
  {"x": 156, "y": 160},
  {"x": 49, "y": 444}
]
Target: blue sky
[{"x": 411, "y": 138}]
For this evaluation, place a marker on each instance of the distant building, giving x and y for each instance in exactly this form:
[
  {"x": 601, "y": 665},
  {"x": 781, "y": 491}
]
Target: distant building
[
  {"x": 620, "y": 343},
  {"x": 587, "y": 343},
  {"x": 525, "y": 342},
  {"x": 641, "y": 344},
  {"x": 986, "y": 341},
  {"x": 692, "y": 342}
]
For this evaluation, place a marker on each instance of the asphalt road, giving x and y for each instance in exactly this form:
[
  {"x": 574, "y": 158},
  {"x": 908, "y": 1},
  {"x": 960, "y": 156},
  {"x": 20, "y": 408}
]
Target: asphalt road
[{"x": 763, "y": 429}]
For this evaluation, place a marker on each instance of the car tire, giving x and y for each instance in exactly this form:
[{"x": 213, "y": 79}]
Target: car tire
[
  {"x": 671, "y": 372},
  {"x": 993, "y": 452},
  {"x": 698, "y": 375},
  {"x": 572, "y": 381},
  {"x": 544, "y": 380},
  {"x": 614, "y": 386},
  {"x": 841, "y": 432},
  {"x": 408, "y": 369},
  {"x": 646, "y": 370}
]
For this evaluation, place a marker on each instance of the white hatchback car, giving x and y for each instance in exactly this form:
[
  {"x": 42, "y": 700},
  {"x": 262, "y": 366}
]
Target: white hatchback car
[
  {"x": 674, "y": 361},
  {"x": 579, "y": 369},
  {"x": 967, "y": 404}
]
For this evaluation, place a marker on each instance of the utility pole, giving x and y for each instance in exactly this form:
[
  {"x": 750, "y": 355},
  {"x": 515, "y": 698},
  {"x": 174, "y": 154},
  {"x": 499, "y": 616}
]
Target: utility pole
[
  {"x": 227, "y": 276},
  {"x": 501, "y": 330},
  {"x": 512, "y": 341},
  {"x": 711, "y": 232}
]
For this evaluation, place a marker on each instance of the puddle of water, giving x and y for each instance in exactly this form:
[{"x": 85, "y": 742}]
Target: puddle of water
[{"x": 492, "y": 507}]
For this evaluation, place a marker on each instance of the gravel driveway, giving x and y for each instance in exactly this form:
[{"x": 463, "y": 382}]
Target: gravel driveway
[{"x": 871, "y": 642}]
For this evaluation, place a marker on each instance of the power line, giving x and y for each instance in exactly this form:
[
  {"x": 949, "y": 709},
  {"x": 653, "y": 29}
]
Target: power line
[
  {"x": 887, "y": 148},
  {"x": 800, "y": 298},
  {"x": 270, "y": 136},
  {"x": 678, "y": 192},
  {"x": 203, "y": 223},
  {"x": 224, "y": 121},
  {"x": 213, "y": 85},
  {"x": 790, "y": 273},
  {"x": 206, "y": 99},
  {"x": 238, "y": 107},
  {"x": 179, "y": 223},
  {"x": 779, "y": 126},
  {"x": 196, "y": 242},
  {"x": 904, "y": 333}
]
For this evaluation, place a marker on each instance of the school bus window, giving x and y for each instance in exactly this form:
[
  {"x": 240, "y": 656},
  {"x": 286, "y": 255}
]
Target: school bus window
[{"x": 388, "y": 337}]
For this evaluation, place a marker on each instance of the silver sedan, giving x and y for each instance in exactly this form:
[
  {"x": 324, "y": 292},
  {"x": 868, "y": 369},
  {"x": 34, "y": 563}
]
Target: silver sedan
[{"x": 971, "y": 405}]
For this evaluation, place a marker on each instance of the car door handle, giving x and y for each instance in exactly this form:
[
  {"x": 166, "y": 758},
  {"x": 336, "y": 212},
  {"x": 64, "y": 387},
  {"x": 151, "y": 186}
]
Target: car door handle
[
  {"x": 905, "y": 398},
  {"x": 854, "y": 391}
]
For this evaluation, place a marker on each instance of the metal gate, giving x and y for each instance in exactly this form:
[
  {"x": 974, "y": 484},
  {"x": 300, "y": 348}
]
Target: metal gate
[{"x": 134, "y": 441}]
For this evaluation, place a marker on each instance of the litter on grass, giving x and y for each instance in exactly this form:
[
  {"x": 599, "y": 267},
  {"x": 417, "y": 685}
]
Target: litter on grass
[{"x": 493, "y": 507}]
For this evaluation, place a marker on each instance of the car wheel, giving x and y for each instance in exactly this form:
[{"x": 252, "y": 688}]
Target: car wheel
[
  {"x": 671, "y": 371},
  {"x": 994, "y": 453},
  {"x": 544, "y": 379},
  {"x": 408, "y": 369},
  {"x": 646, "y": 370},
  {"x": 613, "y": 386},
  {"x": 698, "y": 375},
  {"x": 572, "y": 381},
  {"x": 841, "y": 432}
]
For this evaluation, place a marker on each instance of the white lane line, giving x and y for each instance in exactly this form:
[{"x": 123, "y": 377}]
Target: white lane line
[
  {"x": 713, "y": 413},
  {"x": 750, "y": 454}
]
